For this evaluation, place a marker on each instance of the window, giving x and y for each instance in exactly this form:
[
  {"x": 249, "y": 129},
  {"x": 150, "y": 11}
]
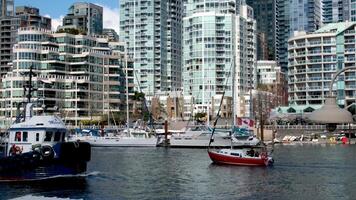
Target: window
[
  {"x": 37, "y": 137},
  {"x": 63, "y": 136},
  {"x": 48, "y": 137},
  {"x": 57, "y": 136},
  {"x": 24, "y": 136},
  {"x": 18, "y": 136}
]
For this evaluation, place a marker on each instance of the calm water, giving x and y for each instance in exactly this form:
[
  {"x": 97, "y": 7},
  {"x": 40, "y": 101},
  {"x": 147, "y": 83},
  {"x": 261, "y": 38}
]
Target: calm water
[{"x": 300, "y": 172}]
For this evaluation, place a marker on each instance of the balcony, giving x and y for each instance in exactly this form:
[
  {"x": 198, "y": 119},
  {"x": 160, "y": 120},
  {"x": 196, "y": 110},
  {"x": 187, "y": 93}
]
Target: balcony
[
  {"x": 350, "y": 32},
  {"x": 314, "y": 70},
  {"x": 350, "y": 41},
  {"x": 350, "y": 78},
  {"x": 314, "y": 88},
  {"x": 315, "y": 61},
  {"x": 314, "y": 79}
]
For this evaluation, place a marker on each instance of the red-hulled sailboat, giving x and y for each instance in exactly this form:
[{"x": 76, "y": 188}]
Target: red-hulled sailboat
[
  {"x": 247, "y": 151},
  {"x": 246, "y": 156}
]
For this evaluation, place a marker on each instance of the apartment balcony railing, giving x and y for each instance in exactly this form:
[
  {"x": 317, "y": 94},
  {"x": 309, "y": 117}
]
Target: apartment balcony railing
[
  {"x": 350, "y": 77},
  {"x": 308, "y": 127},
  {"x": 350, "y": 41},
  {"x": 314, "y": 43},
  {"x": 349, "y": 31},
  {"x": 314, "y": 52},
  {"x": 350, "y": 50},
  {"x": 314, "y": 88},
  {"x": 314, "y": 79},
  {"x": 314, "y": 70},
  {"x": 350, "y": 86}
]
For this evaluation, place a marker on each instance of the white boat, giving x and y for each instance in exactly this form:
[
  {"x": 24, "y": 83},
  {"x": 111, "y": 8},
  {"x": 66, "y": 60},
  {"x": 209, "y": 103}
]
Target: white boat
[
  {"x": 140, "y": 139},
  {"x": 199, "y": 137},
  {"x": 245, "y": 141}
]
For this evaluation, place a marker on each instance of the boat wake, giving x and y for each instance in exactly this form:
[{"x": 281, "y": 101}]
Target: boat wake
[
  {"x": 56, "y": 177},
  {"x": 39, "y": 198}
]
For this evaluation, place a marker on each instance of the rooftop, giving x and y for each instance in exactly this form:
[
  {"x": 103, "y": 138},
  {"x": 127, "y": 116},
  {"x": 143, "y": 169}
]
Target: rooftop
[{"x": 336, "y": 28}]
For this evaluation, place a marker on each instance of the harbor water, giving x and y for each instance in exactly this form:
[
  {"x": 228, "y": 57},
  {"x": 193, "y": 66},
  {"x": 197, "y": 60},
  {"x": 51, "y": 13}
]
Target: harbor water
[{"x": 309, "y": 171}]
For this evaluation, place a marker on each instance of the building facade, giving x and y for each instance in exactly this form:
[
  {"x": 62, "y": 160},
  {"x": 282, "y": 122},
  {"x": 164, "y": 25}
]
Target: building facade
[
  {"x": 336, "y": 11},
  {"x": 265, "y": 12},
  {"x": 6, "y": 8},
  {"x": 111, "y": 34},
  {"x": 25, "y": 17},
  {"x": 295, "y": 15},
  {"x": 313, "y": 60},
  {"x": 76, "y": 76},
  {"x": 270, "y": 78},
  {"x": 86, "y": 17},
  {"x": 152, "y": 31},
  {"x": 219, "y": 51}
]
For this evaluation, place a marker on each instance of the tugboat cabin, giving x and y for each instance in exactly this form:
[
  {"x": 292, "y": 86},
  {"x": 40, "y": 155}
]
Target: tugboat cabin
[{"x": 38, "y": 131}]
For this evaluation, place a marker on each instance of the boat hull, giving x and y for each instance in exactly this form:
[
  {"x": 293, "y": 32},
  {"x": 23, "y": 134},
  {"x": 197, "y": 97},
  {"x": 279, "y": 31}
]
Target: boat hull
[
  {"x": 71, "y": 159},
  {"x": 235, "y": 160},
  {"x": 24, "y": 168},
  {"x": 198, "y": 142},
  {"x": 126, "y": 142}
]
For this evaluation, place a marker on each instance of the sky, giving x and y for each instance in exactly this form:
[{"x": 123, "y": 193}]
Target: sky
[{"x": 56, "y": 9}]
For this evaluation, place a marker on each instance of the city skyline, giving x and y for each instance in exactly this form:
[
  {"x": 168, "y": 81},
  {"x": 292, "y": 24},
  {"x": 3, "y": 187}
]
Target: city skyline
[{"x": 58, "y": 9}]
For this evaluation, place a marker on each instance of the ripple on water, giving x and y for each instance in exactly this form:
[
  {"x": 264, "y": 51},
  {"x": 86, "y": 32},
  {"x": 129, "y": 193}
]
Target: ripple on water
[{"x": 300, "y": 172}]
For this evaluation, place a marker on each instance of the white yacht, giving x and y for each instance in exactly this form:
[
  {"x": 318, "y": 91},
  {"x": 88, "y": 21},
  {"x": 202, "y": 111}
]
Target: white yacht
[
  {"x": 136, "y": 138},
  {"x": 199, "y": 137}
]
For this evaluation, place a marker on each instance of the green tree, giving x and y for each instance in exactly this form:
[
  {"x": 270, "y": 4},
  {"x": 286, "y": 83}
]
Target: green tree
[{"x": 72, "y": 31}]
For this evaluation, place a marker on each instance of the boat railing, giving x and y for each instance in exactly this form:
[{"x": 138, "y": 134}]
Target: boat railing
[{"x": 309, "y": 127}]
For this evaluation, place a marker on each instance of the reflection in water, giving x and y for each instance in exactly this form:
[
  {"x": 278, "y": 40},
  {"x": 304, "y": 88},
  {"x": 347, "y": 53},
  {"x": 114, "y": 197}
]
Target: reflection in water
[{"x": 300, "y": 172}]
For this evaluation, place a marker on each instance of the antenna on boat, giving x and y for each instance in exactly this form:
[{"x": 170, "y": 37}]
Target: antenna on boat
[
  {"x": 29, "y": 88},
  {"x": 29, "y": 95}
]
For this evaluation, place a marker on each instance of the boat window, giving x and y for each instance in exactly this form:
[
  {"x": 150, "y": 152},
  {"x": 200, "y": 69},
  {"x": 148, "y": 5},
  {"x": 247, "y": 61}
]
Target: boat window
[
  {"x": 48, "y": 136},
  {"x": 18, "y": 136},
  {"x": 37, "y": 137},
  {"x": 57, "y": 136},
  {"x": 235, "y": 154},
  {"x": 24, "y": 136},
  {"x": 63, "y": 136}
]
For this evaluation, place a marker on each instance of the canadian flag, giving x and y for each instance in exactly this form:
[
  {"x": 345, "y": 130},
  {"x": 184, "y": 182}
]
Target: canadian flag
[{"x": 245, "y": 122}]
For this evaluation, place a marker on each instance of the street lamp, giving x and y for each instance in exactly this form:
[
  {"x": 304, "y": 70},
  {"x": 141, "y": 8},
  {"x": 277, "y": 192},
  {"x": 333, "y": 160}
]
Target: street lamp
[{"x": 330, "y": 113}]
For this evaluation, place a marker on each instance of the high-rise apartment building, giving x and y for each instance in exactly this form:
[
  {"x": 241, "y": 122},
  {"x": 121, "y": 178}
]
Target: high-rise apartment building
[
  {"x": 219, "y": 51},
  {"x": 152, "y": 31},
  {"x": 86, "y": 17},
  {"x": 24, "y": 17},
  {"x": 295, "y": 15},
  {"x": 6, "y": 8},
  {"x": 30, "y": 16},
  {"x": 314, "y": 59},
  {"x": 265, "y": 12},
  {"x": 77, "y": 76},
  {"x": 111, "y": 34},
  {"x": 336, "y": 10}
]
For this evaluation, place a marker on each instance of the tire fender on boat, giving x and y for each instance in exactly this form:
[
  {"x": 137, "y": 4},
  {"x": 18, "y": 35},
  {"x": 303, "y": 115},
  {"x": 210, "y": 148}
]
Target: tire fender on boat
[
  {"x": 47, "y": 152},
  {"x": 16, "y": 150}
]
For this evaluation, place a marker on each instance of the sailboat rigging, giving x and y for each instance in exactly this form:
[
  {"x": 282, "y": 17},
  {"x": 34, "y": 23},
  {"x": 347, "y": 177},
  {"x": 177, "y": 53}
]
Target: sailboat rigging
[{"x": 247, "y": 154}]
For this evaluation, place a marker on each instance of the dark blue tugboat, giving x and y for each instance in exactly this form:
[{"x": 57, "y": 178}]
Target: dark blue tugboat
[{"x": 36, "y": 148}]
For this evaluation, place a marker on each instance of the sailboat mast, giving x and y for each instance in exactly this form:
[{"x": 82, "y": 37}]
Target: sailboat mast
[{"x": 127, "y": 94}]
